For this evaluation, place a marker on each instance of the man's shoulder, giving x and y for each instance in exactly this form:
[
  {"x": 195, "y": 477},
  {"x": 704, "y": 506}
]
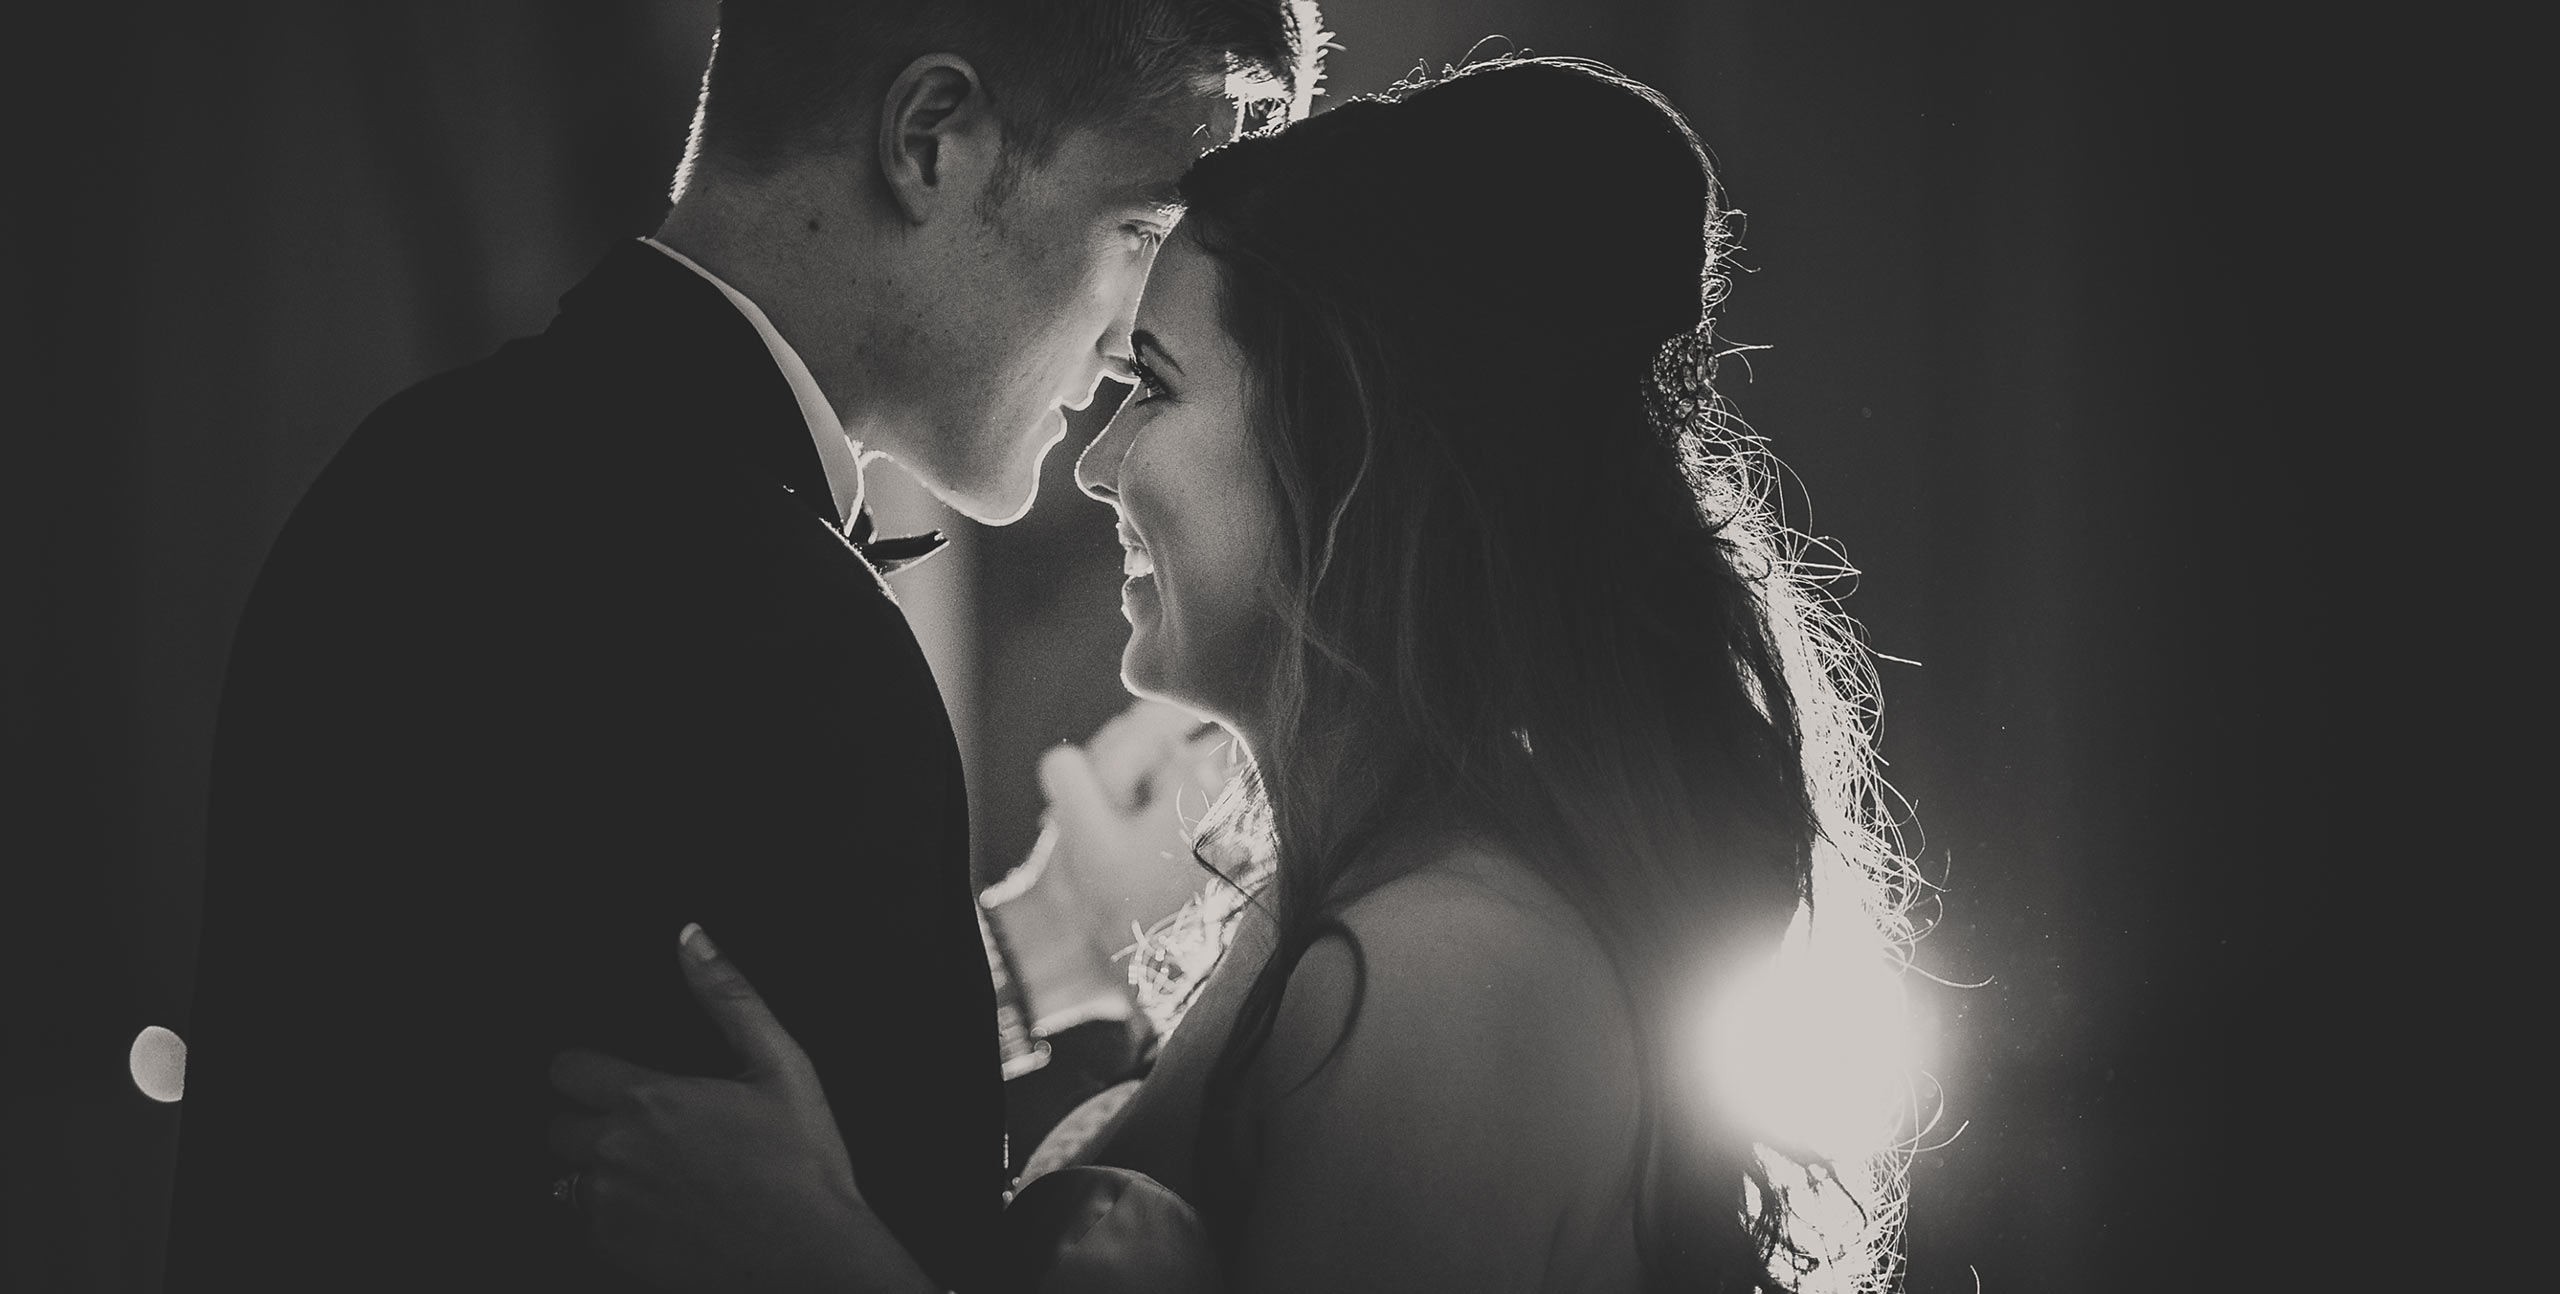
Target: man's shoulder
[
  {"x": 513, "y": 480},
  {"x": 454, "y": 444},
  {"x": 525, "y": 384},
  {"x": 542, "y": 433}
]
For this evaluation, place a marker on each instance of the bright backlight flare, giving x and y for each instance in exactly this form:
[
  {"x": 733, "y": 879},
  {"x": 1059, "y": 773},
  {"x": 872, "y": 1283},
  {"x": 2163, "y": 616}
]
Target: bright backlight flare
[
  {"x": 158, "y": 1061},
  {"x": 1813, "y": 1049}
]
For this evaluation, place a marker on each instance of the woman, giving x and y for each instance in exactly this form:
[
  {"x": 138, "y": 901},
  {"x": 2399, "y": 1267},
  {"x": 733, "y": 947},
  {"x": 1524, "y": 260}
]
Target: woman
[{"x": 1427, "y": 499}]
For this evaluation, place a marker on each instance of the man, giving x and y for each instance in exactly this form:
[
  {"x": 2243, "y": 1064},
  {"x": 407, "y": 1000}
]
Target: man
[{"x": 571, "y": 647}]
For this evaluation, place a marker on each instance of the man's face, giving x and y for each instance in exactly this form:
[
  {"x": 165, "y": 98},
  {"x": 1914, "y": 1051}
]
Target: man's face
[{"x": 1030, "y": 309}]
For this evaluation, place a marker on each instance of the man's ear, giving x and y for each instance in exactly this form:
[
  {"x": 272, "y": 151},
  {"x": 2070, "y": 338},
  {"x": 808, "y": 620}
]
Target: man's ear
[{"x": 939, "y": 140}]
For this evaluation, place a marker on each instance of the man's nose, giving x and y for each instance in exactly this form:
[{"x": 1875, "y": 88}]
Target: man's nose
[{"x": 1115, "y": 345}]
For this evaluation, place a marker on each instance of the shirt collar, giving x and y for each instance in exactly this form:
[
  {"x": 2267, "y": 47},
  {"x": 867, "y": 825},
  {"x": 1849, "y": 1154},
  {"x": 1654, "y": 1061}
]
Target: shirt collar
[{"x": 835, "y": 451}]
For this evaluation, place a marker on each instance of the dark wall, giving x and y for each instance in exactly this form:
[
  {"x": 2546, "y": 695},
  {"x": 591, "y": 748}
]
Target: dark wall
[
  {"x": 239, "y": 229},
  {"x": 2000, "y": 253}
]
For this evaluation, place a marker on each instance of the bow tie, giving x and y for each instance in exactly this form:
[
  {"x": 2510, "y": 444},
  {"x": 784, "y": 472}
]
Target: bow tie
[{"x": 894, "y": 553}]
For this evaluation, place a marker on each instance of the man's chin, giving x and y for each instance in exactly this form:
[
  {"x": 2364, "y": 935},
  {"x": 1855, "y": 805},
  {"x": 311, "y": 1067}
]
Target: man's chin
[
  {"x": 999, "y": 496},
  {"x": 1009, "y": 498},
  {"x": 993, "y": 513},
  {"x": 993, "y": 503}
]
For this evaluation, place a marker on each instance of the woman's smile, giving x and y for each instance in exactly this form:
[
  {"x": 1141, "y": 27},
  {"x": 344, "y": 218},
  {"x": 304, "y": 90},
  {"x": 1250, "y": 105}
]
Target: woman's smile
[
  {"x": 1138, "y": 592},
  {"x": 1135, "y": 561},
  {"x": 1137, "y": 588}
]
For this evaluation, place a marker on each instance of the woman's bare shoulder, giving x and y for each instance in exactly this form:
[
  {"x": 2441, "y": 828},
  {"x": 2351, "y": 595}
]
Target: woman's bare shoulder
[
  {"x": 1450, "y": 1092},
  {"x": 1466, "y": 955},
  {"x": 1471, "y": 913}
]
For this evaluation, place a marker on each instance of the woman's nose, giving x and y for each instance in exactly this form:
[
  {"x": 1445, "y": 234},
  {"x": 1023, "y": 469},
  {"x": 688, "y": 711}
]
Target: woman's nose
[{"x": 1098, "y": 467}]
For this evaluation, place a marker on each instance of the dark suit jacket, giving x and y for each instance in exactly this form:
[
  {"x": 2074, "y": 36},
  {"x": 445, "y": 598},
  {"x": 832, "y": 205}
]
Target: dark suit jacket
[{"x": 564, "y": 650}]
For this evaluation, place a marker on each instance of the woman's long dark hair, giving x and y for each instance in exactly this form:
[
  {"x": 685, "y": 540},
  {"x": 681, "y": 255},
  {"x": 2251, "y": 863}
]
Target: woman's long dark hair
[{"x": 1515, "y": 601}]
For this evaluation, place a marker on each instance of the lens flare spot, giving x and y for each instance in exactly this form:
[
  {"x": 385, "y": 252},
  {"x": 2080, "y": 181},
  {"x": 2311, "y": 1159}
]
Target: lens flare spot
[
  {"x": 1813, "y": 1049},
  {"x": 159, "y": 1063}
]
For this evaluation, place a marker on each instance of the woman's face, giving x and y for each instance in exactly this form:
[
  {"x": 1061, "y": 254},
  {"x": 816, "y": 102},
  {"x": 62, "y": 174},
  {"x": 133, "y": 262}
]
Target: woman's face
[{"x": 1197, "y": 514}]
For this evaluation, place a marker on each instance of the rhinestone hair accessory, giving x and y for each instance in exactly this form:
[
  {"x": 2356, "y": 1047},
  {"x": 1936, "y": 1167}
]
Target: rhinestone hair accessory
[{"x": 1680, "y": 392}]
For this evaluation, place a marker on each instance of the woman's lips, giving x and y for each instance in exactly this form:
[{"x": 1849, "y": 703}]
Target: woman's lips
[{"x": 1135, "y": 560}]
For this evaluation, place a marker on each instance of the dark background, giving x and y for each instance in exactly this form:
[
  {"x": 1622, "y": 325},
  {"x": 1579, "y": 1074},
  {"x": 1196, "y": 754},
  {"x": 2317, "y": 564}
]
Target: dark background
[{"x": 2006, "y": 256}]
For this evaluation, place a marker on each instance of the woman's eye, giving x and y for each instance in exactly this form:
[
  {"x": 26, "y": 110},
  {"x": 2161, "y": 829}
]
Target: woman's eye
[
  {"x": 1143, "y": 239},
  {"x": 1149, "y": 385}
]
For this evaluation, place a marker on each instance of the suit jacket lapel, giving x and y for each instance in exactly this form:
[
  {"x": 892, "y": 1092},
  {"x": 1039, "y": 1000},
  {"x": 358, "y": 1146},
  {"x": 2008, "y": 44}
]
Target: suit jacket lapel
[{"x": 676, "y": 350}]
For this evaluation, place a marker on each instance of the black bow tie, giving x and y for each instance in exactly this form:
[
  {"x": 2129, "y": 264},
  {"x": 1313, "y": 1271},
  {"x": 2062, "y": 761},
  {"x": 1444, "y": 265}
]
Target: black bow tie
[{"x": 895, "y": 553}]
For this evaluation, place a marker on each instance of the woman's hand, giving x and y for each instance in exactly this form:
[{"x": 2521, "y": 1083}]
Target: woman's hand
[
  {"x": 1114, "y": 855},
  {"x": 722, "y": 1184},
  {"x": 1122, "y": 806}
]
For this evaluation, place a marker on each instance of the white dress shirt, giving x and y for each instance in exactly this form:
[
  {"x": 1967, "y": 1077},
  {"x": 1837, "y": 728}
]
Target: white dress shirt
[{"x": 835, "y": 451}]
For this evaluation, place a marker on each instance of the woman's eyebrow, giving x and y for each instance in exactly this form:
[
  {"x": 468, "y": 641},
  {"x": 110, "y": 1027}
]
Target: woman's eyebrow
[
  {"x": 1141, "y": 339},
  {"x": 1159, "y": 200}
]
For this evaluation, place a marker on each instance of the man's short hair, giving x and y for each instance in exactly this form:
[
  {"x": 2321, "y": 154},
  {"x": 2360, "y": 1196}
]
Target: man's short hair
[{"x": 794, "y": 78}]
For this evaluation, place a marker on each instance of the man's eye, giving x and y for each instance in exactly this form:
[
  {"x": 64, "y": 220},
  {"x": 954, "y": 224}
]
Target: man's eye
[{"x": 1143, "y": 239}]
